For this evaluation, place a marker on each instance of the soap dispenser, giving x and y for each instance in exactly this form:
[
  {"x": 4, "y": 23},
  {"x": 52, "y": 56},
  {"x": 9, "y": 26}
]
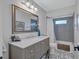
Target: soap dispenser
[{"x": 13, "y": 38}]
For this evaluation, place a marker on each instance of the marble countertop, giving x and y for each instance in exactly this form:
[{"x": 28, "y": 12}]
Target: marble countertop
[{"x": 28, "y": 41}]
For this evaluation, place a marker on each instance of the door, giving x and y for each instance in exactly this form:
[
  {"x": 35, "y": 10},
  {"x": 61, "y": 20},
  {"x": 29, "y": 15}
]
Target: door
[{"x": 63, "y": 28}]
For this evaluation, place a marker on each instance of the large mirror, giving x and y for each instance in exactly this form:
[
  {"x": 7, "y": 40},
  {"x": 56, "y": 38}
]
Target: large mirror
[{"x": 23, "y": 21}]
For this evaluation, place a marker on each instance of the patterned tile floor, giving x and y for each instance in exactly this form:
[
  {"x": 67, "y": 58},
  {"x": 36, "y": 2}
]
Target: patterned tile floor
[{"x": 60, "y": 55}]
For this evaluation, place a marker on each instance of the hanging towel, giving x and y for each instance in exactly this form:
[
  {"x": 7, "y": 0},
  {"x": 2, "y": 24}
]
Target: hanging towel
[{"x": 2, "y": 48}]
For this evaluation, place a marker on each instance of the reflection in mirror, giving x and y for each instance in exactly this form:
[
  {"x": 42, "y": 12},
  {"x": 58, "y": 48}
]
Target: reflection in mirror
[{"x": 24, "y": 21}]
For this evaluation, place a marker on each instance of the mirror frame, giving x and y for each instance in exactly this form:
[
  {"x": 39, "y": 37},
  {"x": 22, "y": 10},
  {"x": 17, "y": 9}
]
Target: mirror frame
[{"x": 14, "y": 7}]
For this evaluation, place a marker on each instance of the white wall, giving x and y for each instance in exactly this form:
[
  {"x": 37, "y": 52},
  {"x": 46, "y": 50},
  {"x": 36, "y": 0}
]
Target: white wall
[
  {"x": 62, "y": 12},
  {"x": 1, "y": 29},
  {"x": 7, "y": 25},
  {"x": 67, "y": 11},
  {"x": 77, "y": 32},
  {"x": 77, "y": 6}
]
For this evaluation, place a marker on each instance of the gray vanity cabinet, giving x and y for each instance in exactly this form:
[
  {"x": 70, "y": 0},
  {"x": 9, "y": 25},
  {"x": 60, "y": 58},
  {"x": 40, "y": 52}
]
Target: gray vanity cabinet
[{"x": 35, "y": 51}]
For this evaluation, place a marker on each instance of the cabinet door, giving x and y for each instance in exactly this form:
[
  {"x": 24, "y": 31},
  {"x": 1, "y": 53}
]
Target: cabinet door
[
  {"x": 16, "y": 52},
  {"x": 44, "y": 46},
  {"x": 30, "y": 52},
  {"x": 37, "y": 51}
]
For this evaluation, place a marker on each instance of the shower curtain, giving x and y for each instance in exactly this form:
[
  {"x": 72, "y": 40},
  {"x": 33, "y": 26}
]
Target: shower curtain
[{"x": 50, "y": 30}]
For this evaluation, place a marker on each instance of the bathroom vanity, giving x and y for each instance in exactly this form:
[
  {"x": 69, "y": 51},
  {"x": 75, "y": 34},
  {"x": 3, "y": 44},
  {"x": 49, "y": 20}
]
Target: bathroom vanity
[
  {"x": 24, "y": 21},
  {"x": 30, "y": 48}
]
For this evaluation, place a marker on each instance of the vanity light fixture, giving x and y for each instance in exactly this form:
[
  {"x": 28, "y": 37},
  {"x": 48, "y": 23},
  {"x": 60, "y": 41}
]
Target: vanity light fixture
[{"x": 29, "y": 5}]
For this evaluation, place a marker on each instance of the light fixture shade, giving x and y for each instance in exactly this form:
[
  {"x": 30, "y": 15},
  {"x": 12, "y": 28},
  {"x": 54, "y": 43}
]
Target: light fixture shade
[{"x": 28, "y": 4}]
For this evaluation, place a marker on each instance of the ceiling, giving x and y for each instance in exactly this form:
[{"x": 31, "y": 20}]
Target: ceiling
[{"x": 49, "y": 5}]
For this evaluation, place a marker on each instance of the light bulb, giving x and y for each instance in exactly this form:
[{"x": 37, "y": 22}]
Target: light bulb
[
  {"x": 31, "y": 6},
  {"x": 27, "y": 4},
  {"x": 23, "y": 2},
  {"x": 36, "y": 9}
]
